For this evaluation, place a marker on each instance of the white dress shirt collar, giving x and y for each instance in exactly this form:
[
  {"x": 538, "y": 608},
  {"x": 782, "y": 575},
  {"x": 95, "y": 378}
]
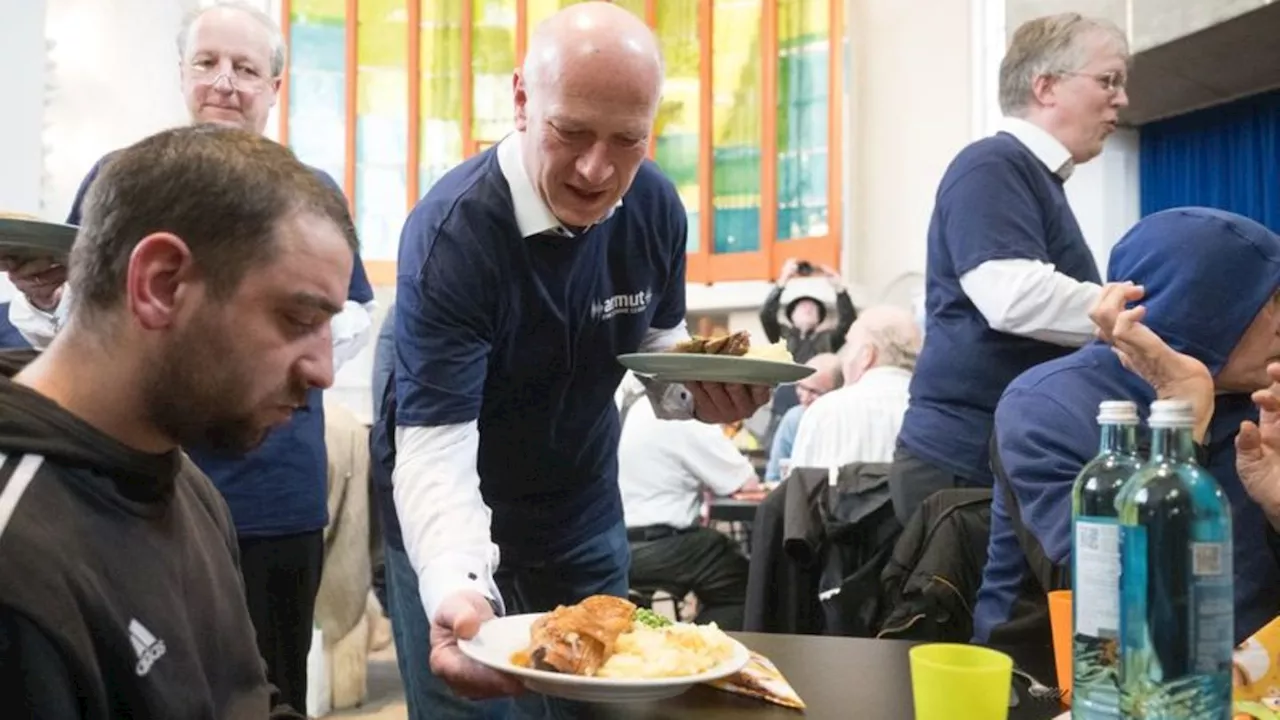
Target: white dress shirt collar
[
  {"x": 1047, "y": 148},
  {"x": 533, "y": 217}
]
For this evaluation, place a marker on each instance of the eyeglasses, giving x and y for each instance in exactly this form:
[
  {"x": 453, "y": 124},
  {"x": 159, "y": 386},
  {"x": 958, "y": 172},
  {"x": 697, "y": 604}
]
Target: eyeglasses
[
  {"x": 1113, "y": 81},
  {"x": 242, "y": 78}
]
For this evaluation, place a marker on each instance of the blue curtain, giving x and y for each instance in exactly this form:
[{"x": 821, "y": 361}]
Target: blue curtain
[{"x": 1226, "y": 157}]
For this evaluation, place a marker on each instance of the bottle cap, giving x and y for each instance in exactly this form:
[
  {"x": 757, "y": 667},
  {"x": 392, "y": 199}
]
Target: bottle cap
[
  {"x": 1172, "y": 414},
  {"x": 1117, "y": 412}
]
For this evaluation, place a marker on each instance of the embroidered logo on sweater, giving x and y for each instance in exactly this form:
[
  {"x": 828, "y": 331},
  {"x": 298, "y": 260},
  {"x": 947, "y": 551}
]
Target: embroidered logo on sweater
[
  {"x": 626, "y": 304},
  {"x": 148, "y": 648}
]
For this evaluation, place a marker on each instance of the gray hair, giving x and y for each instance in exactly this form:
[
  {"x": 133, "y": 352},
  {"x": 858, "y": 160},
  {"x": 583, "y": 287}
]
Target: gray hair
[
  {"x": 1049, "y": 45},
  {"x": 267, "y": 22},
  {"x": 889, "y": 329}
]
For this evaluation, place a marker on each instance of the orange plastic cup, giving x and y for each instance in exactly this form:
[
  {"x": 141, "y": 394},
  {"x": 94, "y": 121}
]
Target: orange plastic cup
[{"x": 1060, "y": 620}]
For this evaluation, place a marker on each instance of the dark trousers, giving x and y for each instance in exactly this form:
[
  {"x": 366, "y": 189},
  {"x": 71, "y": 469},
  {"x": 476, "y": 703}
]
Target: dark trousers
[
  {"x": 912, "y": 480},
  {"x": 702, "y": 561},
  {"x": 281, "y": 578},
  {"x": 530, "y": 581}
]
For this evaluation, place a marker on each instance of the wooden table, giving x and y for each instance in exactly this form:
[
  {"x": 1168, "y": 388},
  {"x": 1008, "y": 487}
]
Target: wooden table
[{"x": 838, "y": 678}]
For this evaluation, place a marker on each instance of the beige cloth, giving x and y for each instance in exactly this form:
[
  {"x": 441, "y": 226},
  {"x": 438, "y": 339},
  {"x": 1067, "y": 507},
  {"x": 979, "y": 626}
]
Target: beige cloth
[{"x": 347, "y": 576}]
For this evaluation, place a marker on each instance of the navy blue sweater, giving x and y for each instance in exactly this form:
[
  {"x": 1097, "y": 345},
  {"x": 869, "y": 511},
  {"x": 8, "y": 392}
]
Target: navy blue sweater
[
  {"x": 997, "y": 201},
  {"x": 1207, "y": 274},
  {"x": 522, "y": 336}
]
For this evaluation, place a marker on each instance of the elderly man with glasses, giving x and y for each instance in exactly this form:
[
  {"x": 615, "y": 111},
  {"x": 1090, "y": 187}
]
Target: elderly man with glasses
[
  {"x": 232, "y": 60},
  {"x": 825, "y": 378}
]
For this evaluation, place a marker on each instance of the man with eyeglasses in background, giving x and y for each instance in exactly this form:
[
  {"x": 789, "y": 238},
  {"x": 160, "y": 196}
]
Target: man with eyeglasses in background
[
  {"x": 232, "y": 60},
  {"x": 826, "y": 377},
  {"x": 1009, "y": 280}
]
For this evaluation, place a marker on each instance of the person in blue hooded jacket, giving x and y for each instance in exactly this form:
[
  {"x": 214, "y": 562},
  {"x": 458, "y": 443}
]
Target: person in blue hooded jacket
[{"x": 1210, "y": 280}]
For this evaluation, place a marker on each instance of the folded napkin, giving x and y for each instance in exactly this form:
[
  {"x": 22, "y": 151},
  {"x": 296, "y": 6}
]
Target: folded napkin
[{"x": 761, "y": 679}]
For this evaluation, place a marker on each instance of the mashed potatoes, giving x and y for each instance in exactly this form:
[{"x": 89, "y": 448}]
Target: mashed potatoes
[
  {"x": 776, "y": 352},
  {"x": 673, "y": 651}
]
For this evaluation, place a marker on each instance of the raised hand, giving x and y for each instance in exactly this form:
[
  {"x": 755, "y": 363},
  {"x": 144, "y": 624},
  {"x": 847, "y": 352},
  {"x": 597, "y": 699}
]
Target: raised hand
[
  {"x": 1258, "y": 450},
  {"x": 1170, "y": 373}
]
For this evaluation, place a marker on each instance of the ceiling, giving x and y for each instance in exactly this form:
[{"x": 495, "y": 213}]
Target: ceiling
[{"x": 1230, "y": 60}]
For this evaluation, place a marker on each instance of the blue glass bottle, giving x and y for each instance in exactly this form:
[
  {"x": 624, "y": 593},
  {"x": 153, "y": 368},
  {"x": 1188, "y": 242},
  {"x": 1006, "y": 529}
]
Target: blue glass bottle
[
  {"x": 1177, "y": 614},
  {"x": 1095, "y": 564}
]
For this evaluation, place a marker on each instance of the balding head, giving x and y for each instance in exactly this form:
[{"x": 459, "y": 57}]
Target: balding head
[
  {"x": 825, "y": 378},
  {"x": 882, "y": 336},
  {"x": 585, "y": 102}
]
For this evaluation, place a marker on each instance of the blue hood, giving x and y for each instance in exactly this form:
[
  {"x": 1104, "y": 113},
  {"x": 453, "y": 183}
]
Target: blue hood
[{"x": 1232, "y": 261}]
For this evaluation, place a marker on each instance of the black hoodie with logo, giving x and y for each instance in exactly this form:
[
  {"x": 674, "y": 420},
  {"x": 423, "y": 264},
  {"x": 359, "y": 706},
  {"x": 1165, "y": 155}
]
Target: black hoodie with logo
[{"x": 120, "y": 594}]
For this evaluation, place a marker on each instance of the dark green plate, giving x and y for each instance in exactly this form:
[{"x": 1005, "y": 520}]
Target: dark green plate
[{"x": 28, "y": 239}]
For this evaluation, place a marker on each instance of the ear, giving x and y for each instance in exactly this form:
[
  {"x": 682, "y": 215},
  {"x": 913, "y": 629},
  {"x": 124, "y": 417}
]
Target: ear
[
  {"x": 521, "y": 93},
  {"x": 276, "y": 83},
  {"x": 867, "y": 356},
  {"x": 160, "y": 274},
  {"x": 1044, "y": 88}
]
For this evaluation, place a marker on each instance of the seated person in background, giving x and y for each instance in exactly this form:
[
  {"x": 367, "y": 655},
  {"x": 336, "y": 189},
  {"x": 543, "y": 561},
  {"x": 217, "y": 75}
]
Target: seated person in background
[
  {"x": 208, "y": 266},
  {"x": 825, "y": 378},
  {"x": 859, "y": 422},
  {"x": 1211, "y": 281},
  {"x": 664, "y": 467}
]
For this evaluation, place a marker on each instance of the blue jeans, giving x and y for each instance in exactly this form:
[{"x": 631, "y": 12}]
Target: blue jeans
[{"x": 529, "y": 583}]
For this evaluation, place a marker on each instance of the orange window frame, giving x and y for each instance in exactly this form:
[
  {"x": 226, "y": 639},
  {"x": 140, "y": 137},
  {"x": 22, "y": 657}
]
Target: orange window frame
[{"x": 704, "y": 266}]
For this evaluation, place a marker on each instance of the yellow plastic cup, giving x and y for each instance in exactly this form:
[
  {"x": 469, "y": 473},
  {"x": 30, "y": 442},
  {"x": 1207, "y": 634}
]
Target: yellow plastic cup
[{"x": 960, "y": 682}]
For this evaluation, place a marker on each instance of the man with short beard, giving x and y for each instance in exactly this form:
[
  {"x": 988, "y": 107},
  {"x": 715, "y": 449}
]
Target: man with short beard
[
  {"x": 232, "y": 63},
  {"x": 207, "y": 270}
]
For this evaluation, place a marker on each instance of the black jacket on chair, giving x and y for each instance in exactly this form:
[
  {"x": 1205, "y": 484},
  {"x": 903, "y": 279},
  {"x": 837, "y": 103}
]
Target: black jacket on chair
[
  {"x": 819, "y": 542},
  {"x": 931, "y": 582}
]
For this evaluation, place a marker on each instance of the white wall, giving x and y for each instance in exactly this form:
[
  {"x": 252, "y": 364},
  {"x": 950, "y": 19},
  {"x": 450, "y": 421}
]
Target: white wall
[
  {"x": 911, "y": 113},
  {"x": 22, "y": 55}
]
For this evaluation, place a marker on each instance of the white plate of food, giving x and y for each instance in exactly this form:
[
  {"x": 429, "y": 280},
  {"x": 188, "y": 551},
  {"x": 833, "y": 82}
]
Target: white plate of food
[
  {"x": 605, "y": 649},
  {"x": 727, "y": 359}
]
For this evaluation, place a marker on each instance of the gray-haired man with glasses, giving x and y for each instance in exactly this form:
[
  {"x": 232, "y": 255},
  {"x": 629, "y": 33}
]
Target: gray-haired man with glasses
[
  {"x": 231, "y": 63},
  {"x": 1010, "y": 279}
]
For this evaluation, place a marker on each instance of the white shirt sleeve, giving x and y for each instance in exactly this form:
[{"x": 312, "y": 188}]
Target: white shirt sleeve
[
  {"x": 671, "y": 401},
  {"x": 351, "y": 330},
  {"x": 1032, "y": 299},
  {"x": 443, "y": 518},
  {"x": 37, "y": 326},
  {"x": 712, "y": 458}
]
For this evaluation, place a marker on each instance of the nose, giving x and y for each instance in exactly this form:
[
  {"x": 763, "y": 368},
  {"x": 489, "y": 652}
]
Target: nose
[
  {"x": 316, "y": 367},
  {"x": 1122, "y": 98},
  {"x": 222, "y": 83},
  {"x": 594, "y": 166}
]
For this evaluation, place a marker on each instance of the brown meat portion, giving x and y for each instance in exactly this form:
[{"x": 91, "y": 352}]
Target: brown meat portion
[
  {"x": 736, "y": 344},
  {"x": 578, "y": 639}
]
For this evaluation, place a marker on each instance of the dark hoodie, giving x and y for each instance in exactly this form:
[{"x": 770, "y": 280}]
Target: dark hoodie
[
  {"x": 1207, "y": 274},
  {"x": 120, "y": 595}
]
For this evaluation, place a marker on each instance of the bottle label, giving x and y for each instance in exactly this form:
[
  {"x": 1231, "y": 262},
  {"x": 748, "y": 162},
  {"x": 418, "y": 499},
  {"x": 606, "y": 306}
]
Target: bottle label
[
  {"x": 1097, "y": 579},
  {"x": 1214, "y": 613}
]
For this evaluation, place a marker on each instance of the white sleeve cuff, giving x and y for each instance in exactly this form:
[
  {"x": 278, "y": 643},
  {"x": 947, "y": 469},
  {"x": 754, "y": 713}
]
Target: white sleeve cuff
[
  {"x": 443, "y": 519},
  {"x": 671, "y": 401},
  {"x": 351, "y": 330},
  {"x": 455, "y": 571}
]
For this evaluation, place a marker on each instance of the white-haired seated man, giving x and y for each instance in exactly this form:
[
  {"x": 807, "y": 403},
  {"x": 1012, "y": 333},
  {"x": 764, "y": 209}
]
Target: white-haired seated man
[{"x": 860, "y": 421}]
